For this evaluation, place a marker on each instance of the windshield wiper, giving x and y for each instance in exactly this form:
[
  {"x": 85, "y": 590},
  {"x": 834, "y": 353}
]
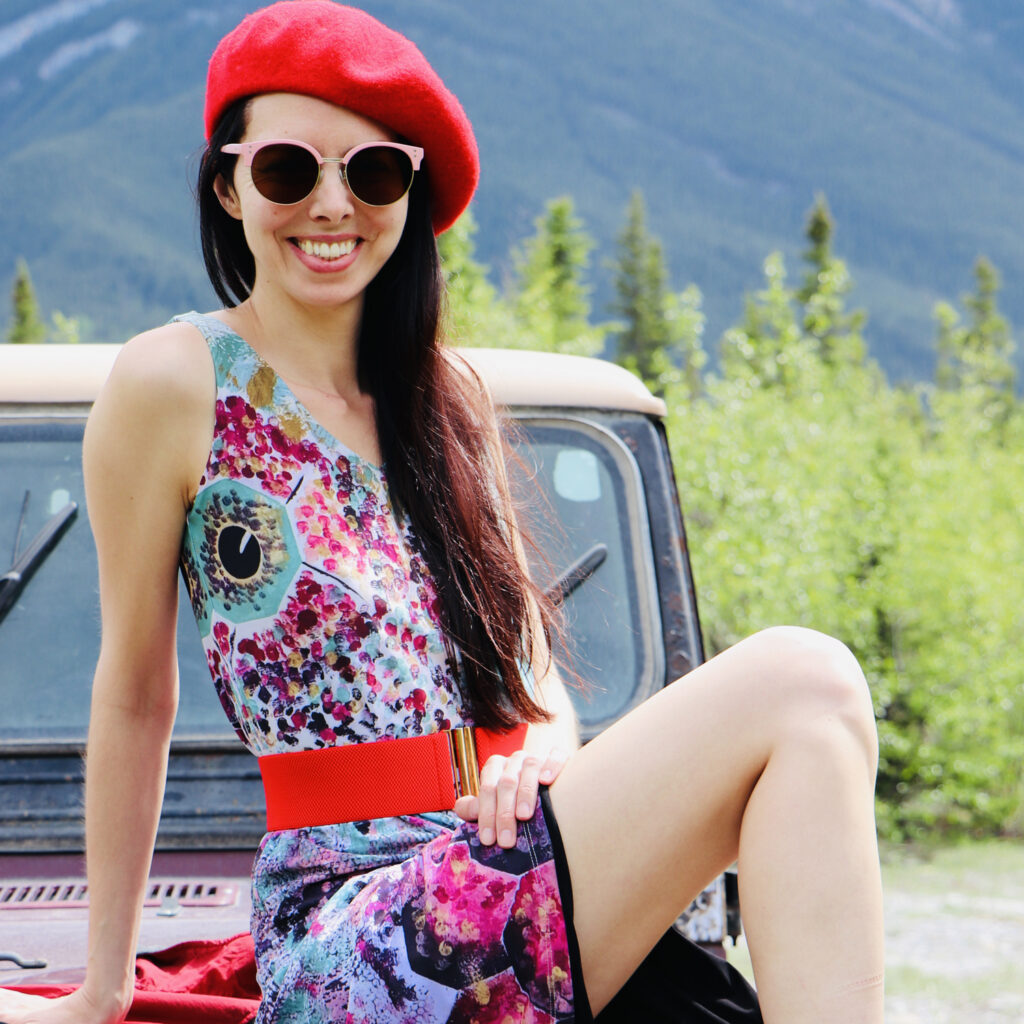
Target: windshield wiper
[
  {"x": 24, "y": 565},
  {"x": 577, "y": 574}
]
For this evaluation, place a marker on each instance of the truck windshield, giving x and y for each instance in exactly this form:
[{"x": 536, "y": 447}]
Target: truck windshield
[
  {"x": 581, "y": 498},
  {"x": 585, "y": 513},
  {"x": 26, "y": 560},
  {"x": 49, "y": 641}
]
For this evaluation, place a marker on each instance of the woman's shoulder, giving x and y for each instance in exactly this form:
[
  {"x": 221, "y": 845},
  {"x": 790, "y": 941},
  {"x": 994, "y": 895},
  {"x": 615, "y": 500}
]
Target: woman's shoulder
[
  {"x": 146, "y": 442},
  {"x": 168, "y": 368},
  {"x": 159, "y": 396},
  {"x": 167, "y": 352}
]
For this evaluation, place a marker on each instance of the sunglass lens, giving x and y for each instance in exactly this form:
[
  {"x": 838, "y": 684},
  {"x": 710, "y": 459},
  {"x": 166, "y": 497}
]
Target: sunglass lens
[
  {"x": 284, "y": 174},
  {"x": 379, "y": 175}
]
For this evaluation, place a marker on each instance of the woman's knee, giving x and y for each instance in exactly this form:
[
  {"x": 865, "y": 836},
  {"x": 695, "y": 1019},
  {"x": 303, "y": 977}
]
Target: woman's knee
[{"x": 817, "y": 677}]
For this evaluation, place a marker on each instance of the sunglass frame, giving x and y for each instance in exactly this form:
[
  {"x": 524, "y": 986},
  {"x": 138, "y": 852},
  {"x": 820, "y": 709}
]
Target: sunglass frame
[{"x": 248, "y": 151}]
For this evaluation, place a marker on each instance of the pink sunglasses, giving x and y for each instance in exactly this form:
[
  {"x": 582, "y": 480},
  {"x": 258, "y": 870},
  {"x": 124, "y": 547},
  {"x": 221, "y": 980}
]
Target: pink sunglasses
[{"x": 286, "y": 171}]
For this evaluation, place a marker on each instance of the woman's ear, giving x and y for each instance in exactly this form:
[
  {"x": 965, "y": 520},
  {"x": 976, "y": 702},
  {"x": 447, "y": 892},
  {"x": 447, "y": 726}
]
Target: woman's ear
[{"x": 227, "y": 196}]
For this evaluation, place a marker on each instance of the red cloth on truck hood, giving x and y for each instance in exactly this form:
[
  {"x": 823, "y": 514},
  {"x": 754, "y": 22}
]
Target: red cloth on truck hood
[{"x": 206, "y": 982}]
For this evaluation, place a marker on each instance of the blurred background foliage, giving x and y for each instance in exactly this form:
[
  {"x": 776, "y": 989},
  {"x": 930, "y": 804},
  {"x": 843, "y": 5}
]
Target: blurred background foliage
[{"x": 816, "y": 492}]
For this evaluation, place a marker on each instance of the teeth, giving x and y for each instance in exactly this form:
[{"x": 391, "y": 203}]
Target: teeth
[{"x": 327, "y": 250}]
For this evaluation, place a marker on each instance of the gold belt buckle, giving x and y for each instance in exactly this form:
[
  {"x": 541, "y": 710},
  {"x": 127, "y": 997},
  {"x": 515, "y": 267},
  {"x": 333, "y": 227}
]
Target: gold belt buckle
[{"x": 465, "y": 767}]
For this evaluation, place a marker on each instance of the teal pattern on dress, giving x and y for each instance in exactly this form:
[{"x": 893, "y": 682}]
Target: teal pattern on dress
[{"x": 321, "y": 626}]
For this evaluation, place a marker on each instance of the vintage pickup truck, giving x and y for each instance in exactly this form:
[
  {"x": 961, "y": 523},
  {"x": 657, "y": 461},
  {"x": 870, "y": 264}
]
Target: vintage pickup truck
[{"x": 595, "y": 478}]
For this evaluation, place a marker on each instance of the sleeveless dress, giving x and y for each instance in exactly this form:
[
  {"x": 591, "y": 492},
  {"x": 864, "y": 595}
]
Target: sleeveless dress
[{"x": 321, "y": 626}]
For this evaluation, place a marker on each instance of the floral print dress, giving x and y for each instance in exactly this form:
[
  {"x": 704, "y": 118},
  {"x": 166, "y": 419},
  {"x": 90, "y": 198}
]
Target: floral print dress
[{"x": 320, "y": 625}]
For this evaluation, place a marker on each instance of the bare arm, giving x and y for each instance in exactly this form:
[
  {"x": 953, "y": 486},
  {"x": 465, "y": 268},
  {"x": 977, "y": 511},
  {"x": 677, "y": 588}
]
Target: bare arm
[
  {"x": 140, "y": 451},
  {"x": 562, "y": 732},
  {"x": 509, "y": 786},
  {"x": 139, "y": 457}
]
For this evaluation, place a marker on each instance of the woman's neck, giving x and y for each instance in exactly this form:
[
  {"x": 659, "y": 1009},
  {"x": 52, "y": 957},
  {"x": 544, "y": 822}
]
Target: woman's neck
[{"x": 309, "y": 346}]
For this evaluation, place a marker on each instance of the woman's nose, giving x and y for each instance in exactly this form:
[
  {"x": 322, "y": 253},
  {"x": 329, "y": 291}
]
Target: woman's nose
[{"x": 331, "y": 199}]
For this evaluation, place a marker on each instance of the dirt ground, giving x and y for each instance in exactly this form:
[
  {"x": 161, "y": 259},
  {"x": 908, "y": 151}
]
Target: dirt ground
[{"x": 954, "y": 934}]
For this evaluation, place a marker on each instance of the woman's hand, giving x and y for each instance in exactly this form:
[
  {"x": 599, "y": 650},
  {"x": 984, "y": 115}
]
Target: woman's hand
[
  {"x": 508, "y": 793},
  {"x": 76, "y": 1008}
]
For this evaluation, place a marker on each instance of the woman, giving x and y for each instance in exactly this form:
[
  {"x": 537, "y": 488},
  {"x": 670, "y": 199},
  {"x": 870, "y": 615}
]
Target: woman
[{"x": 360, "y": 588}]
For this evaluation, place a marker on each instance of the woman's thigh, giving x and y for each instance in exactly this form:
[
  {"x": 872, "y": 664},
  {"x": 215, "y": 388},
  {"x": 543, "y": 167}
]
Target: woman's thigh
[{"x": 650, "y": 810}]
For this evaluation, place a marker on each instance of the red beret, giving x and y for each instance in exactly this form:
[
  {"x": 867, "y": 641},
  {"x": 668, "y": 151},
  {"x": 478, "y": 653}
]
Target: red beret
[{"x": 345, "y": 56}]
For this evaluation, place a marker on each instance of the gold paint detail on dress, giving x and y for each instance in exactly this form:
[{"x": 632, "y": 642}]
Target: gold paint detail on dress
[
  {"x": 292, "y": 426},
  {"x": 260, "y": 387}
]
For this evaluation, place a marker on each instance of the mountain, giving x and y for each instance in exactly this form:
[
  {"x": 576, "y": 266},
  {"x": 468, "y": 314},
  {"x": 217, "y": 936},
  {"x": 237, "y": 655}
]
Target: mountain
[{"x": 730, "y": 115}]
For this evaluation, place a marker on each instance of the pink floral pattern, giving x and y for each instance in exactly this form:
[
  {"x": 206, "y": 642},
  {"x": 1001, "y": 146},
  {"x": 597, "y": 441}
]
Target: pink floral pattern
[{"x": 321, "y": 626}]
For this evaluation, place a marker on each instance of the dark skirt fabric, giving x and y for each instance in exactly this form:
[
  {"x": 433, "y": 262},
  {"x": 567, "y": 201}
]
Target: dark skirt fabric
[{"x": 678, "y": 982}]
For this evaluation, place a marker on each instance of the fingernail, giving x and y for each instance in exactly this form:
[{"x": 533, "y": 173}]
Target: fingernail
[
  {"x": 507, "y": 838},
  {"x": 487, "y": 836},
  {"x": 523, "y": 811}
]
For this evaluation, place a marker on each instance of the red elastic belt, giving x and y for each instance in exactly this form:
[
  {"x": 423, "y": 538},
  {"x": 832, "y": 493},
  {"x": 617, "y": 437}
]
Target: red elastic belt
[{"x": 383, "y": 779}]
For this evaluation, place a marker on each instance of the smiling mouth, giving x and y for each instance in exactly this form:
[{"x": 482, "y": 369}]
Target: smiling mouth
[{"x": 327, "y": 250}]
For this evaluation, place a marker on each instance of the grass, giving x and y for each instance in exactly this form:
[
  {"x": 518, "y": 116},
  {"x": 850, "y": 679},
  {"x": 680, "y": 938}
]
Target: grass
[
  {"x": 969, "y": 868},
  {"x": 954, "y": 932}
]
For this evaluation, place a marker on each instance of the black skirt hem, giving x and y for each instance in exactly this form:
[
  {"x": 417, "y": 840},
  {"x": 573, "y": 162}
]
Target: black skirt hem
[{"x": 677, "y": 982}]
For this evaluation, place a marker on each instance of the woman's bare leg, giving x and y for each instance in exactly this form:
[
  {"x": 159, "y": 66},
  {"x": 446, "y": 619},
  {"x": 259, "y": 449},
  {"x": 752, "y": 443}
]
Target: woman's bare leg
[{"x": 766, "y": 753}]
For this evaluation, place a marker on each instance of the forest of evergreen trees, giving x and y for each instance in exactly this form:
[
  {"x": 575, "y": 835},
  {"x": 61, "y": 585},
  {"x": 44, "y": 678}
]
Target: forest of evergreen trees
[{"x": 816, "y": 491}]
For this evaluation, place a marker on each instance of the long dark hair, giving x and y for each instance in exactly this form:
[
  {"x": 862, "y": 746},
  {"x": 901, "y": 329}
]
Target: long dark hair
[{"x": 436, "y": 431}]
